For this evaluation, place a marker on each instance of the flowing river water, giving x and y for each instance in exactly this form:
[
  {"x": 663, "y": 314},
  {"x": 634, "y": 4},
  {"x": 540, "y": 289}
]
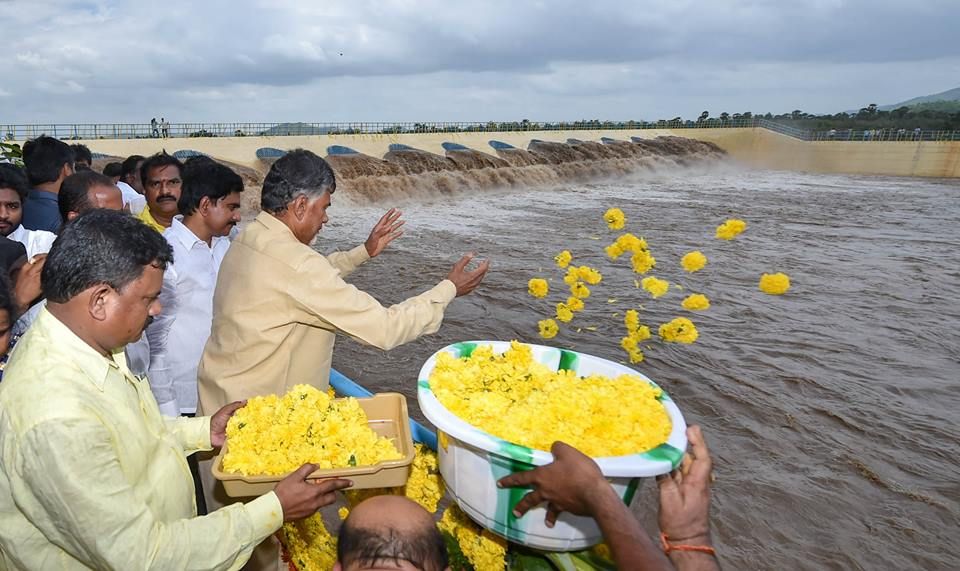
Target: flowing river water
[{"x": 832, "y": 412}]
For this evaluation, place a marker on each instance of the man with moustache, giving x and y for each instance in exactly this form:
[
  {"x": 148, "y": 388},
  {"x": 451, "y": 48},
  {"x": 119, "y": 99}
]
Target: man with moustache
[
  {"x": 160, "y": 175},
  {"x": 93, "y": 475},
  {"x": 210, "y": 203}
]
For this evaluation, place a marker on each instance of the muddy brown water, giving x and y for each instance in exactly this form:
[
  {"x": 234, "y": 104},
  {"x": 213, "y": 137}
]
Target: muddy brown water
[{"x": 832, "y": 411}]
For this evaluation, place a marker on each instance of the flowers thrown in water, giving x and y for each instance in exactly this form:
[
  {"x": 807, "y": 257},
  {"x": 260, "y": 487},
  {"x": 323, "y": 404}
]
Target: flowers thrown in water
[
  {"x": 563, "y": 259},
  {"x": 614, "y": 218},
  {"x": 546, "y": 405},
  {"x": 655, "y": 286},
  {"x": 579, "y": 290},
  {"x": 679, "y": 330},
  {"x": 589, "y": 275},
  {"x": 693, "y": 261},
  {"x": 538, "y": 287},
  {"x": 564, "y": 313},
  {"x": 575, "y": 304},
  {"x": 696, "y": 302},
  {"x": 548, "y": 328},
  {"x": 731, "y": 229},
  {"x": 775, "y": 284}
]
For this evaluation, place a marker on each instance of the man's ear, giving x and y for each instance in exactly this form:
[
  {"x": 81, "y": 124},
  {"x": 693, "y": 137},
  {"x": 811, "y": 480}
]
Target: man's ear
[
  {"x": 205, "y": 205},
  {"x": 97, "y": 302},
  {"x": 299, "y": 205},
  {"x": 65, "y": 171}
]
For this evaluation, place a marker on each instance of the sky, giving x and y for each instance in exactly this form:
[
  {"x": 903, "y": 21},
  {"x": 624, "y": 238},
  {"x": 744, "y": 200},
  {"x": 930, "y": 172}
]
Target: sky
[{"x": 499, "y": 60}]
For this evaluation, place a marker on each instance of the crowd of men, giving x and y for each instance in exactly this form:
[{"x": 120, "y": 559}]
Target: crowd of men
[{"x": 137, "y": 319}]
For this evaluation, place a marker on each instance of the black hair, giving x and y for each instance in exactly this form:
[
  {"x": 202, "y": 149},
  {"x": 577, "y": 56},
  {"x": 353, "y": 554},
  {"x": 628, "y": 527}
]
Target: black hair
[
  {"x": 113, "y": 169},
  {"x": 130, "y": 165},
  {"x": 101, "y": 247},
  {"x": 82, "y": 153},
  {"x": 44, "y": 158},
  {"x": 424, "y": 549},
  {"x": 161, "y": 159},
  {"x": 73, "y": 194},
  {"x": 295, "y": 173},
  {"x": 206, "y": 178},
  {"x": 7, "y": 301},
  {"x": 12, "y": 176}
]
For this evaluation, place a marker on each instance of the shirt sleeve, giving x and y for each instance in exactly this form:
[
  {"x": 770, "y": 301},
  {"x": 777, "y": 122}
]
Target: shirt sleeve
[
  {"x": 346, "y": 262},
  {"x": 161, "y": 381},
  {"x": 323, "y": 295},
  {"x": 83, "y": 503},
  {"x": 193, "y": 434}
]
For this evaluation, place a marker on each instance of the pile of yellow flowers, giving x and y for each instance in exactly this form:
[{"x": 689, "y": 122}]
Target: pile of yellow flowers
[
  {"x": 484, "y": 550},
  {"x": 642, "y": 260},
  {"x": 274, "y": 435},
  {"x": 544, "y": 405}
]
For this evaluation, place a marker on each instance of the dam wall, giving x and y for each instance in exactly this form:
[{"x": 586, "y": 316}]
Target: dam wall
[{"x": 753, "y": 146}]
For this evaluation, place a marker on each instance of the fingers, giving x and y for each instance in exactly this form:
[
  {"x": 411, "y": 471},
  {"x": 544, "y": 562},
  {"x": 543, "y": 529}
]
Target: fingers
[
  {"x": 388, "y": 219},
  {"x": 233, "y": 407},
  {"x": 553, "y": 512},
  {"x": 702, "y": 463},
  {"x": 462, "y": 262},
  {"x": 518, "y": 479},
  {"x": 303, "y": 471},
  {"x": 528, "y": 502},
  {"x": 669, "y": 490},
  {"x": 330, "y": 486}
]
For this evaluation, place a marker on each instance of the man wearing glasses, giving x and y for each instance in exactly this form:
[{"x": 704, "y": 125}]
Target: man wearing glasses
[{"x": 161, "y": 184}]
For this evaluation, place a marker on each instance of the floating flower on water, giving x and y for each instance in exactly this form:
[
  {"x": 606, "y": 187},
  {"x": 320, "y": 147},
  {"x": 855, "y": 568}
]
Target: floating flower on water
[
  {"x": 548, "y": 328},
  {"x": 629, "y": 343},
  {"x": 538, "y": 287},
  {"x": 572, "y": 277},
  {"x": 731, "y": 229},
  {"x": 575, "y": 304},
  {"x": 563, "y": 259},
  {"x": 580, "y": 290},
  {"x": 680, "y": 330},
  {"x": 614, "y": 218},
  {"x": 631, "y": 320},
  {"x": 693, "y": 261},
  {"x": 655, "y": 286},
  {"x": 630, "y": 243},
  {"x": 545, "y": 405},
  {"x": 636, "y": 356},
  {"x": 775, "y": 284},
  {"x": 696, "y": 302},
  {"x": 642, "y": 261},
  {"x": 614, "y": 251},
  {"x": 275, "y": 435},
  {"x": 589, "y": 275},
  {"x": 483, "y": 550},
  {"x": 564, "y": 313}
]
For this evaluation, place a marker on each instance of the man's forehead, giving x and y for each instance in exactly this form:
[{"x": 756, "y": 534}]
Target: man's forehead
[{"x": 169, "y": 171}]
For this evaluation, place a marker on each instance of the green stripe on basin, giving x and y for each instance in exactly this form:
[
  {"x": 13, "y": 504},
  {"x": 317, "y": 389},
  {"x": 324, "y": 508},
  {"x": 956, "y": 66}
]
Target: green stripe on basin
[
  {"x": 516, "y": 452},
  {"x": 423, "y": 384},
  {"x": 665, "y": 453},
  {"x": 506, "y": 524},
  {"x": 464, "y": 349},
  {"x": 569, "y": 360},
  {"x": 631, "y": 490}
]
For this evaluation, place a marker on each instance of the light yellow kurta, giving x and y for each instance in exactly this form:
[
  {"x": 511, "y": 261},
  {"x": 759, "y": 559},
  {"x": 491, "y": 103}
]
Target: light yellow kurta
[
  {"x": 277, "y": 309},
  {"x": 92, "y": 476}
]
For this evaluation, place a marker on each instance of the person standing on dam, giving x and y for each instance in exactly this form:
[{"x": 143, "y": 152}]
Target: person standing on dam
[{"x": 279, "y": 304}]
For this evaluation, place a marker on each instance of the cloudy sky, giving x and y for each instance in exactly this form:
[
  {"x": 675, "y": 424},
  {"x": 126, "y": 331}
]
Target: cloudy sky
[{"x": 426, "y": 60}]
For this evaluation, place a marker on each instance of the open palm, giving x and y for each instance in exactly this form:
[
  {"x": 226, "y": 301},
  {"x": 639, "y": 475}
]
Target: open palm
[{"x": 387, "y": 230}]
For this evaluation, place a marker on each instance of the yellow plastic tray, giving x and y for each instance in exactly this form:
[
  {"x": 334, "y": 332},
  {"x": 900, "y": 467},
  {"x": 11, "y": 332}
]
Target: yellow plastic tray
[{"x": 387, "y": 415}]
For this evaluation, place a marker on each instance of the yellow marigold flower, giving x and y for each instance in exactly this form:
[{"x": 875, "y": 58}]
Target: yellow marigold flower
[
  {"x": 642, "y": 333},
  {"x": 563, "y": 259},
  {"x": 696, "y": 302},
  {"x": 614, "y": 251},
  {"x": 579, "y": 290},
  {"x": 564, "y": 313},
  {"x": 309, "y": 543},
  {"x": 693, "y": 261},
  {"x": 642, "y": 261},
  {"x": 545, "y": 405},
  {"x": 548, "y": 328},
  {"x": 631, "y": 320},
  {"x": 575, "y": 304},
  {"x": 343, "y": 512},
  {"x": 775, "y": 284},
  {"x": 680, "y": 330},
  {"x": 731, "y": 229},
  {"x": 589, "y": 275},
  {"x": 614, "y": 218},
  {"x": 636, "y": 356},
  {"x": 630, "y": 243},
  {"x": 629, "y": 343},
  {"x": 538, "y": 287},
  {"x": 655, "y": 286},
  {"x": 572, "y": 277},
  {"x": 483, "y": 550}
]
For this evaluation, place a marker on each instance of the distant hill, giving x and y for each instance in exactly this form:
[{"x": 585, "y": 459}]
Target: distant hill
[{"x": 950, "y": 95}]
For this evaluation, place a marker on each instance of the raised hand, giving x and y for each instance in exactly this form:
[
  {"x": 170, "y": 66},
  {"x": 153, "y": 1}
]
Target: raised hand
[
  {"x": 386, "y": 230},
  {"x": 218, "y": 422},
  {"x": 685, "y": 495},
  {"x": 301, "y": 498},
  {"x": 466, "y": 281}
]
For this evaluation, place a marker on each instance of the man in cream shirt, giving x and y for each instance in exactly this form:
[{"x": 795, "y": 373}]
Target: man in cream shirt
[{"x": 279, "y": 304}]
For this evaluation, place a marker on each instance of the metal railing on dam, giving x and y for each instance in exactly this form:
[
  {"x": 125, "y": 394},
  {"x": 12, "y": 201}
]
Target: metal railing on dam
[{"x": 92, "y": 131}]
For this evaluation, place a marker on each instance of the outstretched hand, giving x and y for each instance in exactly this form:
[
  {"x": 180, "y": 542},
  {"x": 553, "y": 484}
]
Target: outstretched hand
[
  {"x": 571, "y": 483},
  {"x": 387, "y": 230},
  {"x": 218, "y": 422},
  {"x": 465, "y": 281},
  {"x": 685, "y": 494}
]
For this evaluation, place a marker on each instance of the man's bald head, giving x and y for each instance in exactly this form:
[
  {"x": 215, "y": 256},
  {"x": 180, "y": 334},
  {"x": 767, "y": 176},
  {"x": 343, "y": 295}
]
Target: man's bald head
[{"x": 390, "y": 533}]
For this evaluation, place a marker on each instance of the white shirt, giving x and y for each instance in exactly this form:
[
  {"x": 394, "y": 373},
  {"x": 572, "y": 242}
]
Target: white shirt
[
  {"x": 131, "y": 197},
  {"x": 35, "y": 241},
  {"x": 177, "y": 336}
]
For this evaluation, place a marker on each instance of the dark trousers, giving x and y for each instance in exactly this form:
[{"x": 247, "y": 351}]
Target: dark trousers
[{"x": 195, "y": 471}]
